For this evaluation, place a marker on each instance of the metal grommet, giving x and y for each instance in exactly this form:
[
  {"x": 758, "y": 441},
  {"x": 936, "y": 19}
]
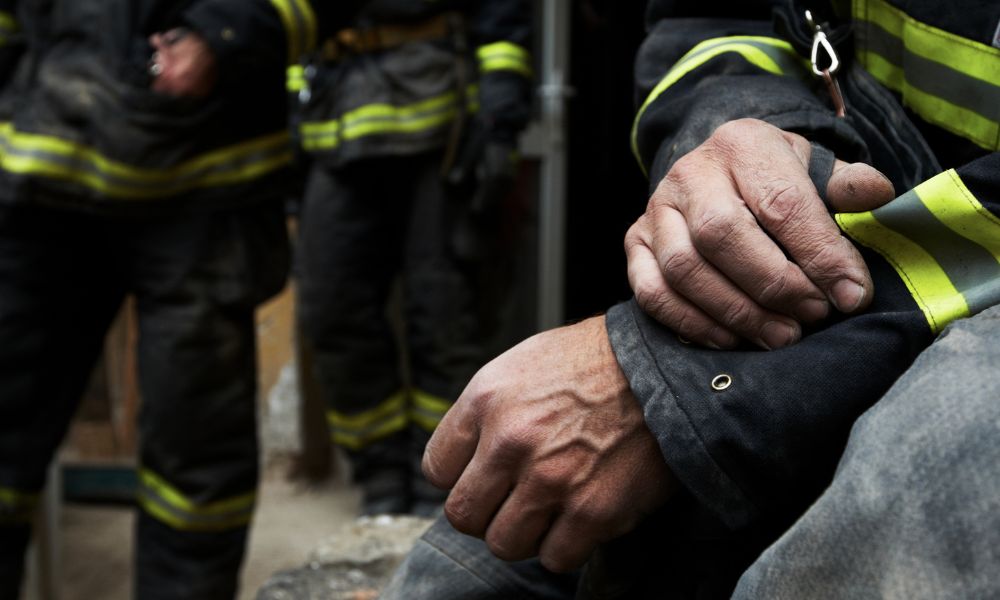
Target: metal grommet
[
  {"x": 721, "y": 382},
  {"x": 228, "y": 34},
  {"x": 683, "y": 340}
]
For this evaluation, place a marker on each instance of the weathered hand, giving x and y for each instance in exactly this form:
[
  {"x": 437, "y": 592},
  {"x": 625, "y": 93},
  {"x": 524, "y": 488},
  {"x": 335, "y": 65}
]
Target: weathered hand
[
  {"x": 183, "y": 64},
  {"x": 700, "y": 262},
  {"x": 547, "y": 451}
]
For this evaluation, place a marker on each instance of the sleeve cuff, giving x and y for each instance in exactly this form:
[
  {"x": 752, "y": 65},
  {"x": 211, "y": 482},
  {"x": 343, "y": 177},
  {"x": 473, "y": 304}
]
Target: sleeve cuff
[{"x": 674, "y": 428}]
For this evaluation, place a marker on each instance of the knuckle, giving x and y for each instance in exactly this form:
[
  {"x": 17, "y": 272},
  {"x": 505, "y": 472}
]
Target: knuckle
[
  {"x": 775, "y": 287},
  {"x": 681, "y": 264},
  {"x": 780, "y": 204},
  {"x": 717, "y": 230},
  {"x": 456, "y": 510},
  {"x": 653, "y": 298},
  {"x": 740, "y": 316},
  {"x": 502, "y": 548},
  {"x": 825, "y": 262}
]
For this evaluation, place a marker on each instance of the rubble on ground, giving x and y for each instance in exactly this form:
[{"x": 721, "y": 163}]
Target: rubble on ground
[{"x": 353, "y": 564}]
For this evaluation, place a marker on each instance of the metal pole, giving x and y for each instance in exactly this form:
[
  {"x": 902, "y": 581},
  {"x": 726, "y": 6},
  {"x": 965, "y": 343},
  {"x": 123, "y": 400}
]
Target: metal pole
[{"x": 552, "y": 203}]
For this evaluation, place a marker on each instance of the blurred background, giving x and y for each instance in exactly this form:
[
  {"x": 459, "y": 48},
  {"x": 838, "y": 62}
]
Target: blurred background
[{"x": 578, "y": 189}]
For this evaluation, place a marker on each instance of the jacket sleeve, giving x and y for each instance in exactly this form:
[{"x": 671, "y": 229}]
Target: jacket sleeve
[
  {"x": 501, "y": 36},
  {"x": 249, "y": 36},
  {"x": 754, "y": 434}
]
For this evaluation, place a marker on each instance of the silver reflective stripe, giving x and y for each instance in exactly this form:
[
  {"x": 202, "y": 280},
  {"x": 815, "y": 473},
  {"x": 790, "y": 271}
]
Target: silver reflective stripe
[{"x": 969, "y": 266}]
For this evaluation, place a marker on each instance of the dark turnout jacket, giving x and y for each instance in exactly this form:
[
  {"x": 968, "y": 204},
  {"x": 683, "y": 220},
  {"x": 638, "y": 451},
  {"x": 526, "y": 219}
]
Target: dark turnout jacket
[
  {"x": 79, "y": 123},
  {"x": 405, "y": 99},
  {"x": 921, "y": 80}
]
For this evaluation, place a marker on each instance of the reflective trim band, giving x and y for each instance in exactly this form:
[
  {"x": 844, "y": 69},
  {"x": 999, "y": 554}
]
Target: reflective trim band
[
  {"x": 385, "y": 119},
  {"x": 948, "y": 80},
  {"x": 169, "y": 505},
  {"x": 942, "y": 242},
  {"x": 299, "y": 21},
  {"x": 295, "y": 78},
  {"x": 428, "y": 409},
  {"x": 16, "y": 506},
  {"x": 504, "y": 56},
  {"x": 768, "y": 54},
  {"x": 355, "y": 431},
  {"x": 8, "y": 27},
  {"x": 51, "y": 157}
]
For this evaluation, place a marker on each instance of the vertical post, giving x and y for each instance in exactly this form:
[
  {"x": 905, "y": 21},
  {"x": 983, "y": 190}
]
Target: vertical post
[{"x": 552, "y": 203}]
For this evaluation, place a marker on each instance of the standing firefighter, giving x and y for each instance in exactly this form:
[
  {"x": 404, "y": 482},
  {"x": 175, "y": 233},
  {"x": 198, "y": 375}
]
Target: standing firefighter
[
  {"x": 142, "y": 151},
  {"x": 411, "y": 117}
]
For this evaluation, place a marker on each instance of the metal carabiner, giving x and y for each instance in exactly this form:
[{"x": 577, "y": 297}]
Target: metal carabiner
[
  {"x": 820, "y": 41},
  {"x": 827, "y": 75}
]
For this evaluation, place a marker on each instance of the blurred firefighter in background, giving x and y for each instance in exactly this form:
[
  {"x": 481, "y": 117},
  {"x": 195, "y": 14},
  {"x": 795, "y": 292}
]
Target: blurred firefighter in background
[
  {"x": 131, "y": 162},
  {"x": 411, "y": 118}
]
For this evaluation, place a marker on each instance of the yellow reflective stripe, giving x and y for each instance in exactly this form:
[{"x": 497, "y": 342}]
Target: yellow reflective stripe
[
  {"x": 395, "y": 403},
  {"x": 753, "y": 49},
  {"x": 956, "y": 119},
  {"x": 929, "y": 285},
  {"x": 299, "y": 21},
  {"x": 169, "y": 505},
  {"x": 295, "y": 78},
  {"x": 358, "y": 430},
  {"x": 309, "y": 25},
  {"x": 176, "y": 521},
  {"x": 48, "y": 156},
  {"x": 961, "y": 54},
  {"x": 950, "y": 81},
  {"x": 504, "y": 56},
  {"x": 357, "y": 441},
  {"x": 178, "y": 500},
  {"x": 428, "y": 409},
  {"x": 381, "y": 119},
  {"x": 948, "y": 198}
]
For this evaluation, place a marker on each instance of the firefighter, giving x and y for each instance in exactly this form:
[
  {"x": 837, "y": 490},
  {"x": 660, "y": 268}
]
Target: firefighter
[
  {"x": 410, "y": 118},
  {"x": 133, "y": 162},
  {"x": 571, "y": 440}
]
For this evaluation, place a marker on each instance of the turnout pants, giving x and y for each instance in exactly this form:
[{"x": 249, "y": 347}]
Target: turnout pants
[
  {"x": 912, "y": 512},
  {"x": 196, "y": 280},
  {"x": 363, "y": 227}
]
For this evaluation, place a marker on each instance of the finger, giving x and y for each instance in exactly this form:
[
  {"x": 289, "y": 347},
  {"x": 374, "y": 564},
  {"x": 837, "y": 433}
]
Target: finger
[
  {"x": 453, "y": 443},
  {"x": 857, "y": 187},
  {"x": 568, "y": 544},
  {"x": 692, "y": 276},
  {"x": 477, "y": 496},
  {"x": 782, "y": 197},
  {"x": 157, "y": 41},
  {"x": 663, "y": 304},
  {"x": 727, "y": 235},
  {"x": 518, "y": 528}
]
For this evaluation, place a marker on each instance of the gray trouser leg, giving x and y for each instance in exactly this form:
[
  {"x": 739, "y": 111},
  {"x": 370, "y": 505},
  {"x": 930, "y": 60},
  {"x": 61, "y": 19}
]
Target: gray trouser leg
[
  {"x": 446, "y": 565},
  {"x": 914, "y": 509}
]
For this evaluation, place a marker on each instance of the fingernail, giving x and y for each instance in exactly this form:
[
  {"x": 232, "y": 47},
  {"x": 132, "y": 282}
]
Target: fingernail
[
  {"x": 812, "y": 309},
  {"x": 776, "y": 334},
  {"x": 721, "y": 339},
  {"x": 847, "y": 295}
]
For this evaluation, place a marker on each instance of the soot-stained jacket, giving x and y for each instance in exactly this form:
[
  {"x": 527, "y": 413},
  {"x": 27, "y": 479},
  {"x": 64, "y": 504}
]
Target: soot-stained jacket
[
  {"x": 79, "y": 124},
  {"x": 921, "y": 81},
  {"x": 405, "y": 99}
]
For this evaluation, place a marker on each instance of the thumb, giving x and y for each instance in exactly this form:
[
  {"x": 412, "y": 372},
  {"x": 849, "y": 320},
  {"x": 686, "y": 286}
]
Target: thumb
[{"x": 857, "y": 187}]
